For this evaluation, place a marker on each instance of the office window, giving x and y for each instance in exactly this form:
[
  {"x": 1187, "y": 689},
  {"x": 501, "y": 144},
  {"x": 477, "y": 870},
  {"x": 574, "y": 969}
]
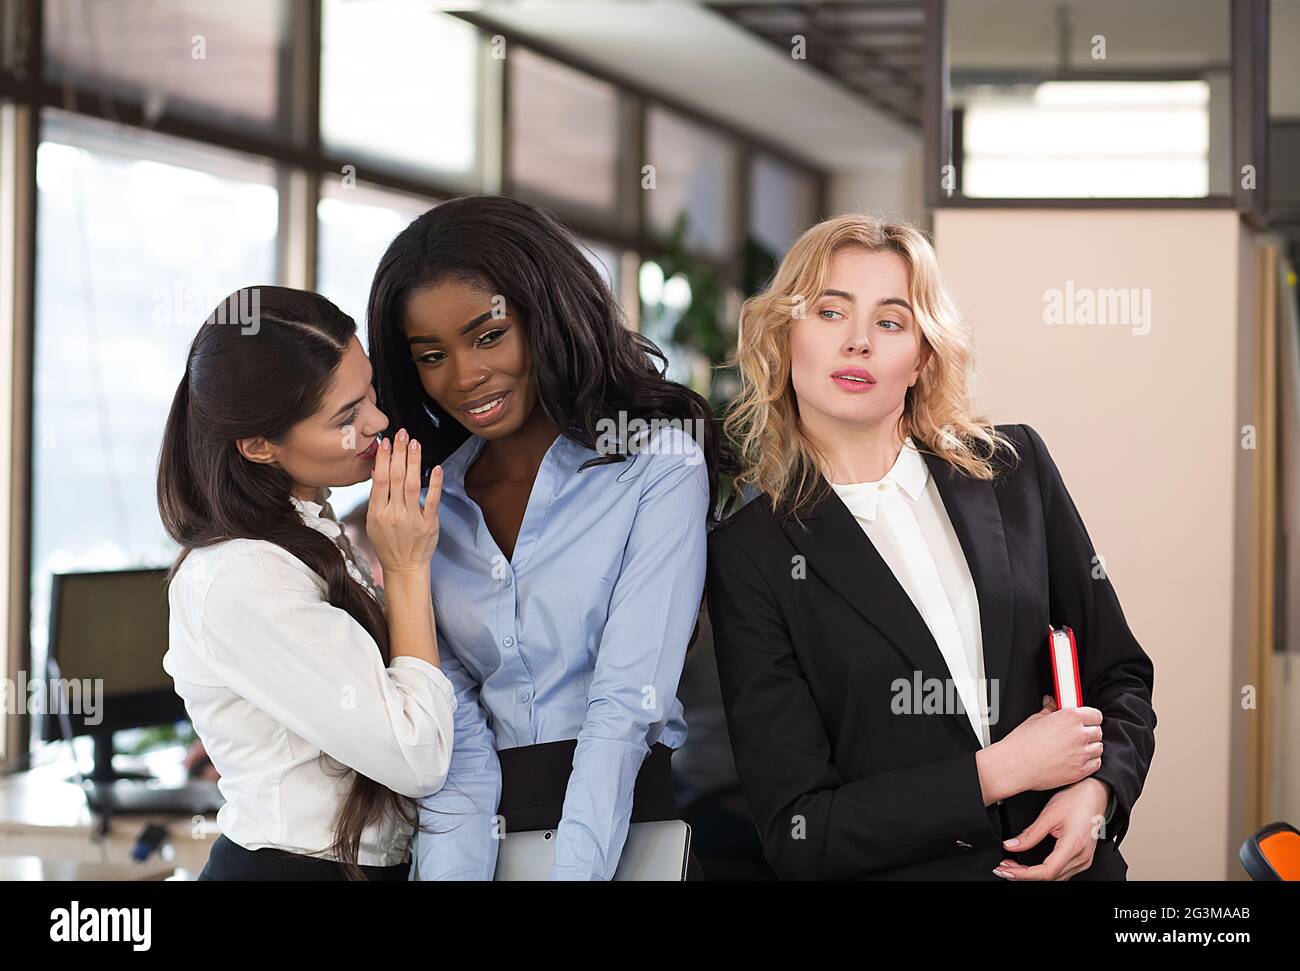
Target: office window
[
  {"x": 138, "y": 238},
  {"x": 1101, "y": 139},
  {"x": 603, "y": 258},
  {"x": 782, "y": 204},
  {"x": 564, "y": 134},
  {"x": 355, "y": 226},
  {"x": 663, "y": 304},
  {"x": 400, "y": 86},
  {"x": 1085, "y": 100},
  {"x": 695, "y": 175},
  {"x": 219, "y": 61}
]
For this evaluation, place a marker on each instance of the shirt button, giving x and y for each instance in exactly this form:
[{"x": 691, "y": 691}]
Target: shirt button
[
  {"x": 883, "y": 486},
  {"x": 525, "y": 696},
  {"x": 509, "y": 642}
]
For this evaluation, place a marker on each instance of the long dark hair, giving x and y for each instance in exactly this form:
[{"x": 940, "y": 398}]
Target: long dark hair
[
  {"x": 261, "y": 363},
  {"x": 587, "y": 363}
]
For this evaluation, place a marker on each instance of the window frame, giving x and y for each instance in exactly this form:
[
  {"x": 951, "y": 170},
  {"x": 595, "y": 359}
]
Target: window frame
[
  {"x": 302, "y": 168},
  {"x": 1247, "y": 123}
]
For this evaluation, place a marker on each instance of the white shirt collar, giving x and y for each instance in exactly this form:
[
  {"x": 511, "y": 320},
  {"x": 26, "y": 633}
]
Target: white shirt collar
[
  {"x": 908, "y": 476},
  {"x": 313, "y": 514},
  {"x": 320, "y": 517}
]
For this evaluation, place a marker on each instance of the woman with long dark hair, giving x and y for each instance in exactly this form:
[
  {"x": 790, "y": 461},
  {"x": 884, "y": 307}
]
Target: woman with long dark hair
[
  {"x": 317, "y": 696},
  {"x": 578, "y": 482}
]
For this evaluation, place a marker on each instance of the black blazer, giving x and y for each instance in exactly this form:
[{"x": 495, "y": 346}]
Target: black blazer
[{"x": 809, "y": 650}]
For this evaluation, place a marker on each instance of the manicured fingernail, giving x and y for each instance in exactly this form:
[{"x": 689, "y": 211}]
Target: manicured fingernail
[
  {"x": 1014, "y": 841},
  {"x": 437, "y": 469},
  {"x": 383, "y": 443},
  {"x": 1004, "y": 874},
  {"x": 415, "y": 446}
]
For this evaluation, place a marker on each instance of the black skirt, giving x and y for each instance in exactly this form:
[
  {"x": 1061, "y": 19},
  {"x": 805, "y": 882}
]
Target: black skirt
[
  {"x": 227, "y": 860},
  {"x": 535, "y": 778}
]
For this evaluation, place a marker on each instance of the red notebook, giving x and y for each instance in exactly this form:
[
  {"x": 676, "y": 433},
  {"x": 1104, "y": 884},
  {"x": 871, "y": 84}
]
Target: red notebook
[{"x": 1065, "y": 667}]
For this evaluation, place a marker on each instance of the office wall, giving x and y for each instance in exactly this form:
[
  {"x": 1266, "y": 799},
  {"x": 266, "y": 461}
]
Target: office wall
[
  {"x": 1146, "y": 429},
  {"x": 887, "y": 183}
]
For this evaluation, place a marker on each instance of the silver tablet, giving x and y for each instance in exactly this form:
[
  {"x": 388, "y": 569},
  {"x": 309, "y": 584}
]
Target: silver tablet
[{"x": 653, "y": 851}]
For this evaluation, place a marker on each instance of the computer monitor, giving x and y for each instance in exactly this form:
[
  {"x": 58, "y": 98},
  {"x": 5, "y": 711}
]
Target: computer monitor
[{"x": 111, "y": 625}]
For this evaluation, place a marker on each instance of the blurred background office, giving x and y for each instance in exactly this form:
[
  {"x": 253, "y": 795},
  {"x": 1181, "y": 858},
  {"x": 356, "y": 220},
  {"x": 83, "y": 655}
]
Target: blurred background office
[{"x": 157, "y": 154}]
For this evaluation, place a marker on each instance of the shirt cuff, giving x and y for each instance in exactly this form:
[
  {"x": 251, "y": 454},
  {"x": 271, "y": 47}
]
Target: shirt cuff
[
  {"x": 597, "y": 807},
  {"x": 432, "y": 671}
]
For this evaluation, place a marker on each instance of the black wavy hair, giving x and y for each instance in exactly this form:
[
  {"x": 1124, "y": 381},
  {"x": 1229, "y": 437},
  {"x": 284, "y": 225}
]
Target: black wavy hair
[{"x": 588, "y": 365}]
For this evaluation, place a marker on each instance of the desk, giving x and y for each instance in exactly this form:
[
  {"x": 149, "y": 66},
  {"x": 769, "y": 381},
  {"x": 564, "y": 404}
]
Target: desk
[
  {"x": 43, "y": 816},
  {"x": 34, "y": 868}
]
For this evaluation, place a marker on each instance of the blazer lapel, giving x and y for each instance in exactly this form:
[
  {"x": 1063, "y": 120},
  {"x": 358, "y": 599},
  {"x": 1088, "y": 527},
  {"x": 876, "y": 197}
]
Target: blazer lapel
[
  {"x": 976, "y": 518},
  {"x": 839, "y": 552}
]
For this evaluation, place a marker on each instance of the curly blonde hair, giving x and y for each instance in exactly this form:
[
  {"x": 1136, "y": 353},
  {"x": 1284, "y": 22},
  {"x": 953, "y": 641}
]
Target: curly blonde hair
[{"x": 763, "y": 421}]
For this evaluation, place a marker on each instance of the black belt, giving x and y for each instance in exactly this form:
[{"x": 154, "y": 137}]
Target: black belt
[{"x": 534, "y": 779}]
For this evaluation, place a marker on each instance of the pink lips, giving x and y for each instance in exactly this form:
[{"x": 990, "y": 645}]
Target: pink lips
[
  {"x": 370, "y": 451},
  {"x": 854, "y": 379},
  {"x": 486, "y": 417}
]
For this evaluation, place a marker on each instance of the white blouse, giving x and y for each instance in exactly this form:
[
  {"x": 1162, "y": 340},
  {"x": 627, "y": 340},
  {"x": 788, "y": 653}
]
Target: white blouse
[
  {"x": 290, "y": 695},
  {"x": 905, "y": 520}
]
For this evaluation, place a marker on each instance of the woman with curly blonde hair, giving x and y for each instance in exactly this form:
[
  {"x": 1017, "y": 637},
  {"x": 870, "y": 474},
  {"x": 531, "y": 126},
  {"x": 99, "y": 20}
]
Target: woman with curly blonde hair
[{"x": 884, "y": 668}]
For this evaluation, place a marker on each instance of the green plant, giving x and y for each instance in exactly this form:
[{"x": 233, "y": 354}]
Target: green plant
[{"x": 702, "y": 327}]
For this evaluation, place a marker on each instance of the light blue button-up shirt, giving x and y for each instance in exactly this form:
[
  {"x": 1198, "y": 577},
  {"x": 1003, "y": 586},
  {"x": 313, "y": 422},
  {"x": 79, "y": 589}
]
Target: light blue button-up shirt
[{"x": 581, "y": 634}]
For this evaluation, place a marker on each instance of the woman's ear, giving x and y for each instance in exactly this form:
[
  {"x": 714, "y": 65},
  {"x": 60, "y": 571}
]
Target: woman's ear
[
  {"x": 257, "y": 450},
  {"x": 926, "y": 352}
]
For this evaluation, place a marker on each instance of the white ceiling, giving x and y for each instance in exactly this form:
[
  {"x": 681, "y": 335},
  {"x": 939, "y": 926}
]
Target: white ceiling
[{"x": 701, "y": 59}]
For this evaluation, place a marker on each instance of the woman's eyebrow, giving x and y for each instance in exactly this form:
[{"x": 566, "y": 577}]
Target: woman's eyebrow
[
  {"x": 465, "y": 328},
  {"x": 882, "y": 302},
  {"x": 348, "y": 407},
  {"x": 352, "y": 404},
  {"x": 896, "y": 302}
]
